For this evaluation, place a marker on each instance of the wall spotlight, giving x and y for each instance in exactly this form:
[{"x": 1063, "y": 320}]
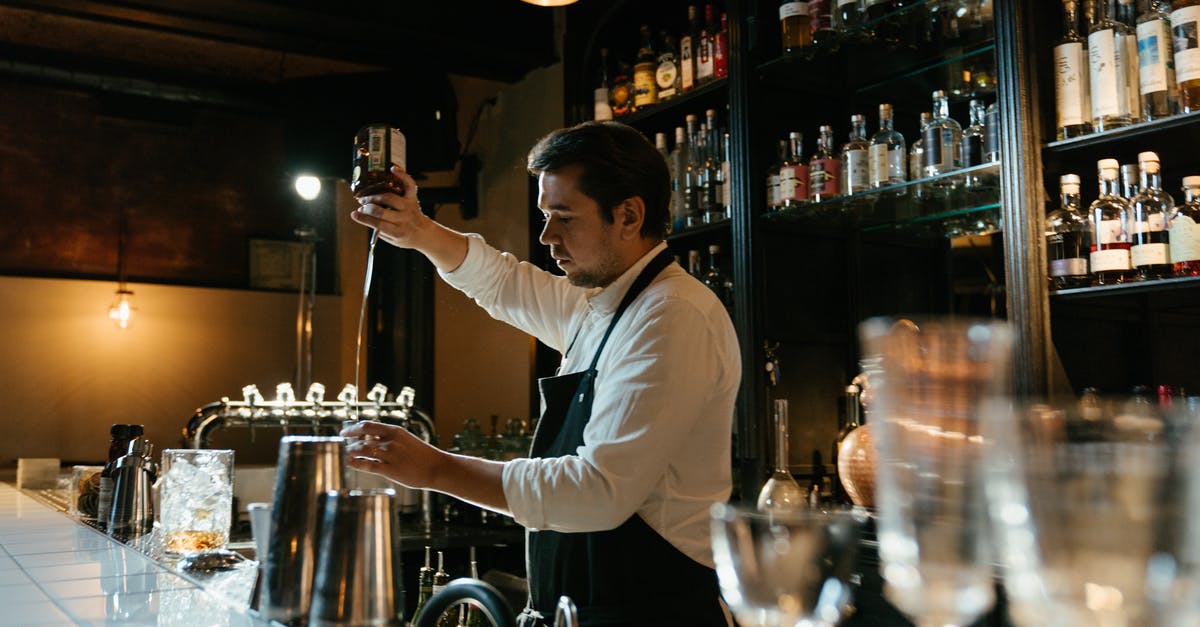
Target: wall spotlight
[{"x": 309, "y": 187}]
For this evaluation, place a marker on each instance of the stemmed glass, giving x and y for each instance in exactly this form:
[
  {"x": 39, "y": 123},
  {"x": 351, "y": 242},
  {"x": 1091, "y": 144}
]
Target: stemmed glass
[{"x": 783, "y": 569}]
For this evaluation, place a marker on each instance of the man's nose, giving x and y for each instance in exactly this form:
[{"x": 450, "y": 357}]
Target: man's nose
[{"x": 549, "y": 232}]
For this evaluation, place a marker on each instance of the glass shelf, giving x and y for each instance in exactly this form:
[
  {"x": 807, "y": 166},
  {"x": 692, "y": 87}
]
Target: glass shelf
[
  {"x": 1125, "y": 132},
  {"x": 942, "y": 205},
  {"x": 1132, "y": 287},
  {"x": 711, "y": 93}
]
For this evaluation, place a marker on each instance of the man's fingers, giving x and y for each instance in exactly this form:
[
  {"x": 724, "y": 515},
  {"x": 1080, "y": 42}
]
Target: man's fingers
[{"x": 410, "y": 186}]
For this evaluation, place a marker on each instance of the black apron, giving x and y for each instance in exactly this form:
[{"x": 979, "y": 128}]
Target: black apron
[{"x": 628, "y": 576}]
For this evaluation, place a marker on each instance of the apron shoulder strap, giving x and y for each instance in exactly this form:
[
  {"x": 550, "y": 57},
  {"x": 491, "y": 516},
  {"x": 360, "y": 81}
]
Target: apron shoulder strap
[{"x": 652, "y": 269}]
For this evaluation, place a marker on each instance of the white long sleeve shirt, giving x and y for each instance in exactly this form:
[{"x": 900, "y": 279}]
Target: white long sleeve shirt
[{"x": 658, "y": 442}]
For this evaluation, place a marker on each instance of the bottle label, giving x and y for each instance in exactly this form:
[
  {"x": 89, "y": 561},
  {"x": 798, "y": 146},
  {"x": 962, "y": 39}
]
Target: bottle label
[
  {"x": 1187, "y": 43},
  {"x": 104, "y": 502},
  {"x": 602, "y": 111},
  {"x": 971, "y": 149},
  {"x": 645, "y": 90},
  {"x": 773, "y": 190},
  {"x": 792, "y": 9},
  {"x": 704, "y": 61},
  {"x": 687, "y": 65},
  {"x": 1185, "y": 239},
  {"x": 991, "y": 134},
  {"x": 856, "y": 171},
  {"x": 1111, "y": 232},
  {"x": 665, "y": 77},
  {"x": 937, "y": 154},
  {"x": 1106, "y": 76},
  {"x": 376, "y": 137},
  {"x": 823, "y": 177},
  {"x": 1111, "y": 259},
  {"x": 879, "y": 164},
  {"x": 822, "y": 18},
  {"x": 787, "y": 183},
  {"x": 1149, "y": 255},
  {"x": 398, "y": 148},
  {"x": 843, "y": 3},
  {"x": 726, "y": 187},
  {"x": 1076, "y": 266},
  {"x": 1070, "y": 84},
  {"x": 1153, "y": 222},
  {"x": 1154, "y": 71}
]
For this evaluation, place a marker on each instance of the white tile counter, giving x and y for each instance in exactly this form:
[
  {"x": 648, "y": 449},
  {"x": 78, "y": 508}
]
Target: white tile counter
[{"x": 57, "y": 571}]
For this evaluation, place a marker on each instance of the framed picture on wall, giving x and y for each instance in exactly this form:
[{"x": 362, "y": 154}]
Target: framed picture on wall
[{"x": 277, "y": 264}]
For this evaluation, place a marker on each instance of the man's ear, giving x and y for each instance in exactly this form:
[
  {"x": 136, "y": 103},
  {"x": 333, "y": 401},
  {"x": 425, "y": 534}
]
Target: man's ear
[{"x": 629, "y": 216}]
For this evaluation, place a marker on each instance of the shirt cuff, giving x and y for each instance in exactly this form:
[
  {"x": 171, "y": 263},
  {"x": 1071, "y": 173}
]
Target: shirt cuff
[{"x": 520, "y": 494}]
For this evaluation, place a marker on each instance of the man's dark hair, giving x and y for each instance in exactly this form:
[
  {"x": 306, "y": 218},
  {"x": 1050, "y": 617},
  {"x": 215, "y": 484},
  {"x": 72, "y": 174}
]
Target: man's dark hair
[{"x": 618, "y": 162}]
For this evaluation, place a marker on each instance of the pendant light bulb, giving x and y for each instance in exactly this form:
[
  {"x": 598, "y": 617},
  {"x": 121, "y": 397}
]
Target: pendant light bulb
[{"x": 121, "y": 311}]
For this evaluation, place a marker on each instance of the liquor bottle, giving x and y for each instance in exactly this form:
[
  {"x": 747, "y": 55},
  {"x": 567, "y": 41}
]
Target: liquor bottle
[
  {"x": 692, "y": 174},
  {"x": 942, "y": 137},
  {"x": 1072, "y": 96},
  {"x": 1156, "y": 62},
  {"x": 118, "y": 445},
  {"x": 679, "y": 160},
  {"x": 1126, "y": 13},
  {"x": 1130, "y": 179},
  {"x": 793, "y": 176},
  {"x": 1150, "y": 253},
  {"x": 824, "y": 178},
  {"x": 726, "y": 174},
  {"x": 716, "y": 280},
  {"x": 1067, "y": 235},
  {"x": 887, "y": 152},
  {"x": 916, "y": 154},
  {"x": 1108, "y": 259},
  {"x": 1184, "y": 230},
  {"x": 602, "y": 107},
  {"x": 694, "y": 267},
  {"x": 721, "y": 49},
  {"x": 1185, "y": 14},
  {"x": 704, "y": 47},
  {"x": 1107, "y": 58},
  {"x": 660, "y": 144},
  {"x": 795, "y": 25},
  {"x": 714, "y": 211},
  {"x": 622, "y": 90},
  {"x": 687, "y": 51},
  {"x": 855, "y": 157},
  {"x": 424, "y": 585},
  {"x": 876, "y": 9},
  {"x": 849, "y": 420},
  {"x": 991, "y": 134},
  {"x": 883, "y": 30},
  {"x": 704, "y": 178},
  {"x": 449, "y": 618},
  {"x": 774, "y": 196},
  {"x": 474, "y": 616},
  {"x": 645, "y": 85},
  {"x": 971, "y": 145},
  {"x": 849, "y": 14},
  {"x": 781, "y": 493},
  {"x": 666, "y": 75},
  {"x": 820, "y": 15}
]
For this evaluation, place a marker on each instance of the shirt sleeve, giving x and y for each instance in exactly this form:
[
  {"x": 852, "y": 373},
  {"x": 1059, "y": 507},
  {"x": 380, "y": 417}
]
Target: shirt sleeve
[
  {"x": 517, "y": 292},
  {"x": 654, "y": 389}
]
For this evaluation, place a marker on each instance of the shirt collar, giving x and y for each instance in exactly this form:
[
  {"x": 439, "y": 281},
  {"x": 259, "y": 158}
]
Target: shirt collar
[{"x": 606, "y": 300}]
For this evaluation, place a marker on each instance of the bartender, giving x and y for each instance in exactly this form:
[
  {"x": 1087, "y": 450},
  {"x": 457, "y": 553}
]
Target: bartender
[{"x": 633, "y": 445}]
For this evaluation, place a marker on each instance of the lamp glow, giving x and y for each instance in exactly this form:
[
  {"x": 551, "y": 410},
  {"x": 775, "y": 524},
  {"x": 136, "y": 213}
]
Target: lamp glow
[
  {"x": 551, "y": 3},
  {"x": 309, "y": 187},
  {"x": 121, "y": 311}
]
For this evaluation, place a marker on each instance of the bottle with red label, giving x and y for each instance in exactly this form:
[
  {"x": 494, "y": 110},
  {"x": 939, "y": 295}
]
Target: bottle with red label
[
  {"x": 721, "y": 49},
  {"x": 793, "y": 176},
  {"x": 704, "y": 47},
  {"x": 824, "y": 169}
]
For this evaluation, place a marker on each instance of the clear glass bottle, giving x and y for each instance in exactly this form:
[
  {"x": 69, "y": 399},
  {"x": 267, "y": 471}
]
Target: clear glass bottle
[
  {"x": 824, "y": 168},
  {"x": 1130, "y": 181},
  {"x": 1126, "y": 13},
  {"x": 1184, "y": 15},
  {"x": 1107, "y": 58},
  {"x": 1184, "y": 230},
  {"x": 1067, "y": 237},
  {"x": 602, "y": 108},
  {"x": 714, "y": 210},
  {"x": 716, "y": 280},
  {"x": 726, "y": 176},
  {"x": 1108, "y": 215},
  {"x": 971, "y": 144},
  {"x": 1072, "y": 95},
  {"x": 1156, "y": 62},
  {"x": 991, "y": 136},
  {"x": 679, "y": 160},
  {"x": 645, "y": 86},
  {"x": 1150, "y": 253},
  {"x": 793, "y": 177},
  {"x": 704, "y": 189},
  {"x": 942, "y": 139},
  {"x": 773, "y": 194},
  {"x": 855, "y": 158},
  {"x": 692, "y": 173},
  {"x": 887, "y": 152},
  {"x": 916, "y": 154},
  {"x": 795, "y": 25},
  {"x": 781, "y": 492}
]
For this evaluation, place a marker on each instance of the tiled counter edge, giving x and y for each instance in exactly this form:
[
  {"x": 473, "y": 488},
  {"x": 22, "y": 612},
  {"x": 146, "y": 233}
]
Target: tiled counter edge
[{"x": 57, "y": 571}]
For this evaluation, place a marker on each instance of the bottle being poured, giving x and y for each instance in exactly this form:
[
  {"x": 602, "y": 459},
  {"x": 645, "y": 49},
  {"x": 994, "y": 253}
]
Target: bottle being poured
[{"x": 377, "y": 147}]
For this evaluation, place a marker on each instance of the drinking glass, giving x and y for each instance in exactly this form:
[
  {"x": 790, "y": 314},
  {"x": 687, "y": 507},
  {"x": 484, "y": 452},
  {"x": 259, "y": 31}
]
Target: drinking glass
[
  {"x": 780, "y": 569},
  {"x": 196, "y": 500},
  {"x": 1094, "y": 507},
  {"x": 928, "y": 379}
]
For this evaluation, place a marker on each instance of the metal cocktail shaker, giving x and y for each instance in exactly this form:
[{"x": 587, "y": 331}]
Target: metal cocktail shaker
[
  {"x": 308, "y": 468},
  {"x": 132, "y": 511},
  {"x": 358, "y": 580}
]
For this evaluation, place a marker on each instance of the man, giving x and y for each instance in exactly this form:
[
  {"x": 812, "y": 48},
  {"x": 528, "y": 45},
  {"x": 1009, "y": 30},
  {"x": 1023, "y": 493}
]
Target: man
[{"x": 633, "y": 444}]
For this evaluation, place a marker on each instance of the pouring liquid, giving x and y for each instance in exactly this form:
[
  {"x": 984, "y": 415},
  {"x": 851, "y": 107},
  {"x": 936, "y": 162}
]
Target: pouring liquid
[{"x": 362, "y": 316}]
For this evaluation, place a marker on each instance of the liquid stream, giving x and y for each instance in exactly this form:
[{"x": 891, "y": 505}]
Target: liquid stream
[{"x": 362, "y": 316}]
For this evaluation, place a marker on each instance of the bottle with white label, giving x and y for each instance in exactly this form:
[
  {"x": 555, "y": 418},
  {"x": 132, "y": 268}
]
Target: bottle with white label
[
  {"x": 1067, "y": 237},
  {"x": 1072, "y": 98},
  {"x": 855, "y": 156},
  {"x": 773, "y": 198},
  {"x": 687, "y": 51},
  {"x": 1156, "y": 62},
  {"x": 886, "y": 159},
  {"x": 1107, "y": 59},
  {"x": 1184, "y": 230},
  {"x": 1108, "y": 258},
  {"x": 1185, "y": 24},
  {"x": 1150, "y": 253}
]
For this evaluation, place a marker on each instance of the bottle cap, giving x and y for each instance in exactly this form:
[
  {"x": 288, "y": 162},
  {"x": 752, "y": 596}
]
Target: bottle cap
[
  {"x": 1144, "y": 157},
  {"x": 795, "y": 135},
  {"x": 679, "y": 135},
  {"x": 660, "y": 140},
  {"x": 885, "y": 108},
  {"x": 1191, "y": 181},
  {"x": 1068, "y": 179},
  {"x": 1105, "y": 165},
  {"x": 857, "y": 117},
  {"x": 825, "y": 128},
  {"x": 939, "y": 94},
  {"x": 713, "y": 248}
]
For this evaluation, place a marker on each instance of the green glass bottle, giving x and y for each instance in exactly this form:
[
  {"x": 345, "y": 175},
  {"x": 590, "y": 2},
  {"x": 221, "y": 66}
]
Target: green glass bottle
[{"x": 424, "y": 585}]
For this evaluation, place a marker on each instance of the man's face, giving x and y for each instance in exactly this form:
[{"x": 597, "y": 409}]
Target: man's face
[{"x": 582, "y": 243}]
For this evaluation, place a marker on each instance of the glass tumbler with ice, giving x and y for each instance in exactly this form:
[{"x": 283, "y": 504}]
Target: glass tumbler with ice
[{"x": 196, "y": 505}]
